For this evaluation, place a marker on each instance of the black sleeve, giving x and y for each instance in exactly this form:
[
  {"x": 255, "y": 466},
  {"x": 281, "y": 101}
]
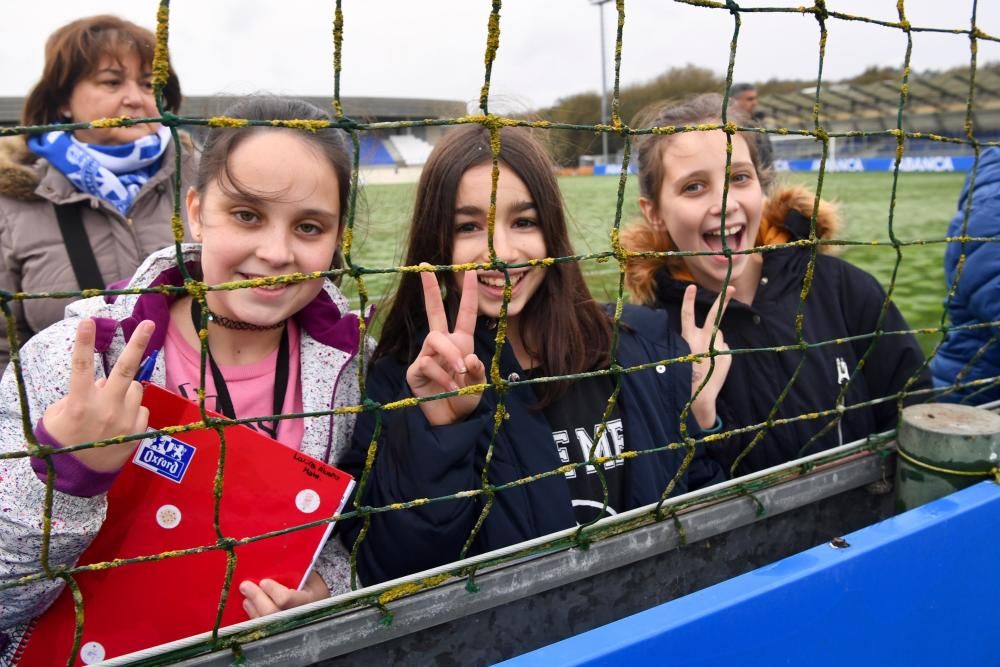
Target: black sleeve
[
  {"x": 705, "y": 469},
  {"x": 895, "y": 358},
  {"x": 413, "y": 460},
  {"x": 715, "y": 458}
]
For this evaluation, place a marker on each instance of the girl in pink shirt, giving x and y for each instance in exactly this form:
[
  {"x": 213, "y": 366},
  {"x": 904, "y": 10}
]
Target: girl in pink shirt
[{"x": 268, "y": 202}]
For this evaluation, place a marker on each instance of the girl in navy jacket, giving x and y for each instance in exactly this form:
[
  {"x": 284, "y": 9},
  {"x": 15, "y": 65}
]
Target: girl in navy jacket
[
  {"x": 790, "y": 401},
  {"x": 442, "y": 337}
]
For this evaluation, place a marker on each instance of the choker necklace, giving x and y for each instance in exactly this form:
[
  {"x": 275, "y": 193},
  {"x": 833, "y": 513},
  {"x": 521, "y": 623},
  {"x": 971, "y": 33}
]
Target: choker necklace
[
  {"x": 227, "y": 323},
  {"x": 237, "y": 325}
]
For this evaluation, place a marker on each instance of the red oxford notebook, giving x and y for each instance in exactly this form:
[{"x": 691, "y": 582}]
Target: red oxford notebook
[{"x": 162, "y": 501}]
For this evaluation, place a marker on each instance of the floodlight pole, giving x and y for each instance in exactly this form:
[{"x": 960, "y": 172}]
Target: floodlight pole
[{"x": 604, "y": 79}]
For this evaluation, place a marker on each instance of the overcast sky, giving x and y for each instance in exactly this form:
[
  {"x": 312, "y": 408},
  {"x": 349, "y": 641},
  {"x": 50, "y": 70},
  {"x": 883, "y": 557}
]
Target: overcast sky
[{"x": 548, "y": 48}]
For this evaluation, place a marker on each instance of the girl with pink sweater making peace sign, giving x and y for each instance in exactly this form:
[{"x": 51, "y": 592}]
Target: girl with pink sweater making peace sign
[{"x": 269, "y": 201}]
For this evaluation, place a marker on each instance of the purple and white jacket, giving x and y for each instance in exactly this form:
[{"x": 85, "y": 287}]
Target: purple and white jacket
[{"x": 330, "y": 338}]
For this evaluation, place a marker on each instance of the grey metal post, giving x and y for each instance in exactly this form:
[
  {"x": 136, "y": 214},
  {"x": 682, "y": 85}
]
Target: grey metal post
[
  {"x": 944, "y": 447},
  {"x": 604, "y": 79}
]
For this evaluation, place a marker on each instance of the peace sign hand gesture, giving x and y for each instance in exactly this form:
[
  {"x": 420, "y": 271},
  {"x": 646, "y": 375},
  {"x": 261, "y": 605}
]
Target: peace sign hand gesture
[
  {"x": 104, "y": 409},
  {"x": 447, "y": 360},
  {"x": 698, "y": 339}
]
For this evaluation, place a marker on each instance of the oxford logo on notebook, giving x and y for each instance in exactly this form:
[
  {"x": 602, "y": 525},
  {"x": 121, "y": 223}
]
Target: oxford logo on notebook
[{"x": 165, "y": 456}]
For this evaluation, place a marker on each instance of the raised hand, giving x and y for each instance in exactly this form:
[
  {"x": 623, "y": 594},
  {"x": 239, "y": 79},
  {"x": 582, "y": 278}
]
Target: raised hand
[
  {"x": 698, "y": 339},
  {"x": 104, "y": 409},
  {"x": 447, "y": 359}
]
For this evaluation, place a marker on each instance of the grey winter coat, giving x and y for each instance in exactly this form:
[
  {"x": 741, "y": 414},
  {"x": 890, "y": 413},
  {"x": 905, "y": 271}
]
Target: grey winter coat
[{"x": 33, "y": 257}]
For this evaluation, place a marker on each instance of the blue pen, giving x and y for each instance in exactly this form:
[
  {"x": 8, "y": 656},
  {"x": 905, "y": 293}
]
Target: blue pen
[{"x": 146, "y": 369}]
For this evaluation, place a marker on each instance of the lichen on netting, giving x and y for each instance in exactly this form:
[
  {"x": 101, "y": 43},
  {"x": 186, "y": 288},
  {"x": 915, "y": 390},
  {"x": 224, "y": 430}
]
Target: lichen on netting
[{"x": 356, "y": 272}]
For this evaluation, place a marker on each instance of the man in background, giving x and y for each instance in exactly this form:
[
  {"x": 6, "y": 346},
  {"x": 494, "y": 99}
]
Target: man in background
[{"x": 744, "y": 96}]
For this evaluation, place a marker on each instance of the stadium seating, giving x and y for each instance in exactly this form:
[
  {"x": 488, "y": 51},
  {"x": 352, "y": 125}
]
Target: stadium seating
[
  {"x": 413, "y": 150},
  {"x": 373, "y": 153}
]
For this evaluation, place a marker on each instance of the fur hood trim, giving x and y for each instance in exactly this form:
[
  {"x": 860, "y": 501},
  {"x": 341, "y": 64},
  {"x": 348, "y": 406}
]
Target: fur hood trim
[
  {"x": 640, "y": 275},
  {"x": 18, "y": 174},
  {"x": 781, "y": 202},
  {"x": 21, "y": 170}
]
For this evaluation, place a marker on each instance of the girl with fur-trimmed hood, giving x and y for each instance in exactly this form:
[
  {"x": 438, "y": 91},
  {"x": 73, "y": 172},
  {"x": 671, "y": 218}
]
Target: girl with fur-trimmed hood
[{"x": 786, "y": 400}]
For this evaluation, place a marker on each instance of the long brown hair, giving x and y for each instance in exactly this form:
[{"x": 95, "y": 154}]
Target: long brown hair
[
  {"x": 561, "y": 325},
  {"x": 74, "y": 52}
]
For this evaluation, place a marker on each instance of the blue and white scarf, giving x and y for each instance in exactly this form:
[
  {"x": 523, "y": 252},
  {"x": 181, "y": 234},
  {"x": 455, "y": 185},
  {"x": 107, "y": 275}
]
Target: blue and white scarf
[{"x": 113, "y": 173}]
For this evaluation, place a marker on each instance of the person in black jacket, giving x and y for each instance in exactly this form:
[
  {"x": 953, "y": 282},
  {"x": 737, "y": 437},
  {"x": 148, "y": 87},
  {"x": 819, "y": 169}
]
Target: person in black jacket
[
  {"x": 796, "y": 400},
  {"x": 600, "y": 460}
]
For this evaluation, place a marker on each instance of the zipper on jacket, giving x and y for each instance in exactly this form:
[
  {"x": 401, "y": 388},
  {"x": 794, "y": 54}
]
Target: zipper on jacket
[
  {"x": 129, "y": 220},
  {"x": 115, "y": 214},
  {"x": 843, "y": 375},
  {"x": 333, "y": 399}
]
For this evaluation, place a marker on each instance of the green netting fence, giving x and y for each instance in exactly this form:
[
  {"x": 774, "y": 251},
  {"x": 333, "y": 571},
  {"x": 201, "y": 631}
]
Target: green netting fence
[{"x": 357, "y": 273}]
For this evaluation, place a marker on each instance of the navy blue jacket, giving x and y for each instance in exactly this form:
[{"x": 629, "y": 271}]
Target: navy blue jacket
[
  {"x": 843, "y": 302},
  {"x": 416, "y": 460},
  {"x": 977, "y": 297}
]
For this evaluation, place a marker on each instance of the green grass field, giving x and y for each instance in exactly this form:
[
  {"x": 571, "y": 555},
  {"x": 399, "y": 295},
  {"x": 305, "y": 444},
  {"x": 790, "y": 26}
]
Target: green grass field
[{"x": 924, "y": 205}]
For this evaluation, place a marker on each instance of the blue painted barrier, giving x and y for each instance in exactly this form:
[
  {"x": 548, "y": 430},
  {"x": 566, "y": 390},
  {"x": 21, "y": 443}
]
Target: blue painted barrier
[
  {"x": 613, "y": 170},
  {"x": 941, "y": 163},
  {"x": 917, "y": 589}
]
